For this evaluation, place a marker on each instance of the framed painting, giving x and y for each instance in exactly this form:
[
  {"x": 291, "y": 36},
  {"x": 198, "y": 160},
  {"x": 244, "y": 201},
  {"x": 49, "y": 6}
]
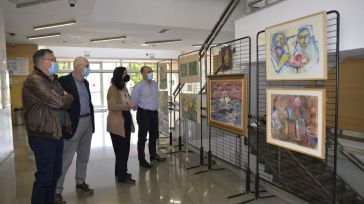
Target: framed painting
[
  {"x": 227, "y": 102},
  {"x": 183, "y": 70},
  {"x": 191, "y": 107},
  {"x": 163, "y": 111},
  {"x": 296, "y": 50},
  {"x": 162, "y": 75},
  {"x": 296, "y": 120},
  {"x": 226, "y": 58}
]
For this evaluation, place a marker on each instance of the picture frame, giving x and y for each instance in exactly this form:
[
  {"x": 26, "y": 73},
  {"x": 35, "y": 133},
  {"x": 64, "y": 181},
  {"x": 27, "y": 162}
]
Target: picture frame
[
  {"x": 227, "y": 102},
  {"x": 296, "y": 119},
  {"x": 190, "y": 107},
  {"x": 226, "y": 58},
  {"x": 296, "y": 50}
]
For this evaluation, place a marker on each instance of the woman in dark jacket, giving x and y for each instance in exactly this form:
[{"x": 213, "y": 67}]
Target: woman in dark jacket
[{"x": 120, "y": 123}]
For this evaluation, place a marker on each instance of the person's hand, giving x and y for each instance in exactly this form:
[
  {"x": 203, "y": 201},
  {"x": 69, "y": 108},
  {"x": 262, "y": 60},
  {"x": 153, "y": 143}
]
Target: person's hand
[{"x": 131, "y": 106}]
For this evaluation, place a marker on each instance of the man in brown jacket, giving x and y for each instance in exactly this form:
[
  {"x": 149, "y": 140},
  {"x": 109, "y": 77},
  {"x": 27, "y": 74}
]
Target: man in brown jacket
[{"x": 44, "y": 103}]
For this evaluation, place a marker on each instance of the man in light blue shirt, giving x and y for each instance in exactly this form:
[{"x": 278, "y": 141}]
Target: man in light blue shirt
[{"x": 145, "y": 96}]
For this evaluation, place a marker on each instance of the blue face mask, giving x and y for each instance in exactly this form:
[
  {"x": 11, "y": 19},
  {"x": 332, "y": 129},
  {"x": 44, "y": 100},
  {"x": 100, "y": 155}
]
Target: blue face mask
[
  {"x": 150, "y": 76},
  {"x": 54, "y": 68},
  {"x": 86, "y": 71}
]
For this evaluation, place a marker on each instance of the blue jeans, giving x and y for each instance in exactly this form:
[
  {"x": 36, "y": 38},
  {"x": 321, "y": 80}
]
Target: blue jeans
[{"x": 48, "y": 159}]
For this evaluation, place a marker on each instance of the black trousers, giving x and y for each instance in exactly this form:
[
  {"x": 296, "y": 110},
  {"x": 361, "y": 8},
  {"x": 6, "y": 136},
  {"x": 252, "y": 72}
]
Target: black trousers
[
  {"x": 147, "y": 122},
  {"x": 121, "y": 147}
]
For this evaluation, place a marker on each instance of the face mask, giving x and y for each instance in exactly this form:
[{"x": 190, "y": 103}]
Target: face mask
[
  {"x": 86, "y": 71},
  {"x": 126, "y": 78},
  {"x": 53, "y": 69},
  {"x": 150, "y": 76}
]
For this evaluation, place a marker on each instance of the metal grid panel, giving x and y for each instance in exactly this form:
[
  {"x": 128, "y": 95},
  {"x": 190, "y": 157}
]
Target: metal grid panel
[
  {"x": 308, "y": 177},
  {"x": 225, "y": 145}
]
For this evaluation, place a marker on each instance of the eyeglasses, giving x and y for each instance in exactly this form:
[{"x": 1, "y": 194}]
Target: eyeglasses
[{"x": 53, "y": 60}]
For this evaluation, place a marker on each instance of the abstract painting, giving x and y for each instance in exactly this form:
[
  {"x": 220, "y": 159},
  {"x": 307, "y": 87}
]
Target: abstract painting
[
  {"x": 191, "y": 107},
  {"x": 296, "y": 120},
  {"x": 227, "y": 102},
  {"x": 296, "y": 50}
]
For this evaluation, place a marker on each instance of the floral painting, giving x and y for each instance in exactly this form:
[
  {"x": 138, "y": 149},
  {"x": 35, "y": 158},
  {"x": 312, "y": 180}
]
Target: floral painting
[
  {"x": 227, "y": 102},
  {"x": 296, "y": 50},
  {"x": 296, "y": 119}
]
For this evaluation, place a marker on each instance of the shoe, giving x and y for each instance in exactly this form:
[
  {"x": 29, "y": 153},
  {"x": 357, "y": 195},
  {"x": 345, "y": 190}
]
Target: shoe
[
  {"x": 157, "y": 158},
  {"x": 127, "y": 181},
  {"x": 145, "y": 164},
  {"x": 128, "y": 175},
  {"x": 58, "y": 199},
  {"x": 84, "y": 188}
]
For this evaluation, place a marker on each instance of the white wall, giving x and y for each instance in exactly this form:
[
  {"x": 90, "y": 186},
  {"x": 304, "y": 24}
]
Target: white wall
[
  {"x": 72, "y": 52},
  {"x": 351, "y": 14},
  {"x": 6, "y": 133}
]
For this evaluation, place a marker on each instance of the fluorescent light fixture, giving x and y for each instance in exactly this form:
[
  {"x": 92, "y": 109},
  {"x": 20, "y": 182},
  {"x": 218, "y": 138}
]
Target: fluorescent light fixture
[
  {"x": 108, "y": 39},
  {"x": 54, "y": 25},
  {"x": 144, "y": 45},
  {"x": 35, "y": 37},
  {"x": 163, "y": 41}
]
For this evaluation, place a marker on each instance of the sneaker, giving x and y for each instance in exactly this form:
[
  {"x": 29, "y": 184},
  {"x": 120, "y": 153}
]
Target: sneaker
[
  {"x": 84, "y": 188},
  {"x": 58, "y": 199}
]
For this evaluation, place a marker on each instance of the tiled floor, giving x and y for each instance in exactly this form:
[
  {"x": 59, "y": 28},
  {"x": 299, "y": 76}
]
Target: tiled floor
[{"x": 167, "y": 182}]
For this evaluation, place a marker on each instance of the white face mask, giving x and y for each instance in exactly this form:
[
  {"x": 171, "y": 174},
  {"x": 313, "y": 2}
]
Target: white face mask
[{"x": 150, "y": 76}]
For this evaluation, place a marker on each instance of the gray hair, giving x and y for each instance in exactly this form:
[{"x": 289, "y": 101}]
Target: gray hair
[{"x": 39, "y": 54}]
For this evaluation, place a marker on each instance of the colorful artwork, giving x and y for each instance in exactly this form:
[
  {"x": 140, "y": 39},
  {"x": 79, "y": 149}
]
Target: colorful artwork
[
  {"x": 163, "y": 114},
  {"x": 227, "y": 102},
  {"x": 183, "y": 70},
  {"x": 296, "y": 120},
  {"x": 191, "y": 107},
  {"x": 296, "y": 50},
  {"x": 162, "y": 78},
  {"x": 226, "y": 58}
]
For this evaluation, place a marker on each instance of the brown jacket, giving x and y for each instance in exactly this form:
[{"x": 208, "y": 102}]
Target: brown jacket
[
  {"x": 116, "y": 104},
  {"x": 42, "y": 104}
]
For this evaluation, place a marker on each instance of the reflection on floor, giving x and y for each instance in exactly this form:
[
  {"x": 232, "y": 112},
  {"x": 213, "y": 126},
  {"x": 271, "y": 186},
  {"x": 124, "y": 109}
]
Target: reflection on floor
[{"x": 166, "y": 182}]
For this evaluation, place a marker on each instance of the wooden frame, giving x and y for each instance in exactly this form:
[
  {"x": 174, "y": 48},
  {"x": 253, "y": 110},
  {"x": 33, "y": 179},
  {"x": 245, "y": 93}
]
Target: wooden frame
[
  {"x": 296, "y": 119},
  {"x": 296, "y": 50},
  {"x": 227, "y": 102}
]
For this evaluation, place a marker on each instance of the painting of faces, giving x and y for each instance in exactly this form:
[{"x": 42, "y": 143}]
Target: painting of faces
[
  {"x": 226, "y": 58},
  {"x": 296, "y": 50},
  {"x": 295, "y": 119}
]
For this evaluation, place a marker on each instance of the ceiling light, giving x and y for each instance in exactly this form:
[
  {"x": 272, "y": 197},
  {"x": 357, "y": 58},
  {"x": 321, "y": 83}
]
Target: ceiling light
[
  {"x": 43, "y": 36},
  {"x": 54, "y": 25},
  {"x": 163, "y": 30},
  {"x": 144, "y": 45},
  {"x": 163, "y": 41},
  {"x": 108, "y": 39}
]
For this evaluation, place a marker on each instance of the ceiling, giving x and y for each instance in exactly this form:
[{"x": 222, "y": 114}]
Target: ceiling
[{"x": 138, "y": 20}]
